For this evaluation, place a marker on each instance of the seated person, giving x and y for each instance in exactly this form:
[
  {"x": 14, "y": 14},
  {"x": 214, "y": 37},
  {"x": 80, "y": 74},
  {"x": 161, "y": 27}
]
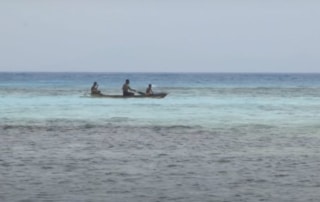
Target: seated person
[
  {"x": 149, "y": 90},
  {"x": 126, "y": 88},
  {"x": 94, "y": 89}
]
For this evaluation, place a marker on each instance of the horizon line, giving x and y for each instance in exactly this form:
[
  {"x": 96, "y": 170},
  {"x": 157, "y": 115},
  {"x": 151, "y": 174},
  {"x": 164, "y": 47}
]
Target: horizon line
[{"x": 164, "y": 72}]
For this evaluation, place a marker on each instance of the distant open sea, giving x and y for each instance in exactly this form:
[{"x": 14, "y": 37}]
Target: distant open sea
[{"x": 215, "y": 137}]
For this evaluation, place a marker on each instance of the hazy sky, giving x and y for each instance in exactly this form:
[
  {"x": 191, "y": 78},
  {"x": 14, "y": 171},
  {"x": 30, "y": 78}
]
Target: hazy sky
[{"x": 160, "y": 35}]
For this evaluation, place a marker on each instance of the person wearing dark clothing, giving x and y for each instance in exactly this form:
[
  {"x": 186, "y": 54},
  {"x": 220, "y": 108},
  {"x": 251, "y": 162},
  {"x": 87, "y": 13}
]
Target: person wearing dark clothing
[
  {"x": 94, "y": 89},
  {"x": 126, "y": 89}
]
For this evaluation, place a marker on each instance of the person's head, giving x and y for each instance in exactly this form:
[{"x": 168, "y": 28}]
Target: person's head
[
  {"x": 95, "y": 83},
  {"x": 150, "y": 85},
  {"x": 127, "y": 81}
]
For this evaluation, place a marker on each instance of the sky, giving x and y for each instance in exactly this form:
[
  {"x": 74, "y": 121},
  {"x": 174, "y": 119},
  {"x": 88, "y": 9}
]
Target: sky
[{"x": 160, "y": 35}]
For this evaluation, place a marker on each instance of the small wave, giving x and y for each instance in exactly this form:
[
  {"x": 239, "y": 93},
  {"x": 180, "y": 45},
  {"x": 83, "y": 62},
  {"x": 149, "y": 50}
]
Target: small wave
[
  {"x": 119, "y": 119},
  {"x": 21, "y": 127},
  {"x": 180, "y": 127},
  {"x": 114, "y": 127}
]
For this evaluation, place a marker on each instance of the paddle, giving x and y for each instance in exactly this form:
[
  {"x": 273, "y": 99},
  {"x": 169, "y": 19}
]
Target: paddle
[{"x": 141, "y": 93}]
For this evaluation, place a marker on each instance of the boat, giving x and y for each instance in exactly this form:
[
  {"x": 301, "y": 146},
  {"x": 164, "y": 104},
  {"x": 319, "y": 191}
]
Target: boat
[{"x": 155, "y": 95}]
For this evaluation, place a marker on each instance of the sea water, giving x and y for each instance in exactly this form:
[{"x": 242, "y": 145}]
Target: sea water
[{"x": 215, "y": 137}]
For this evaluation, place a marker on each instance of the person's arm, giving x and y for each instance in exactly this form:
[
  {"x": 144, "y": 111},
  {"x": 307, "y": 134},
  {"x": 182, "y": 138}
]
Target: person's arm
[{"x": 131, "y": 89}]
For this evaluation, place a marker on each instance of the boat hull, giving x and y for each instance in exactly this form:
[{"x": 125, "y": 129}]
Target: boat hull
[{"x": 157, "y": 95}]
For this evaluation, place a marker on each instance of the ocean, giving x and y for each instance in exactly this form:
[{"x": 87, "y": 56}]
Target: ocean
[{"x": 215, "y": 137}]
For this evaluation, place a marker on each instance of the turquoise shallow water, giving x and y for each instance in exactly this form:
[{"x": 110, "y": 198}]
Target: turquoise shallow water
[
  {"x": 215, "y": 137},
  {"x": 206, "y": 100}
]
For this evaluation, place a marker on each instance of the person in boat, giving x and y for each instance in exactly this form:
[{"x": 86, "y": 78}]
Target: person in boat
[
  {"x": 94, "y": 89},
  {"x": 126, "y": 89},
  {"x": 149, "y": 90}
]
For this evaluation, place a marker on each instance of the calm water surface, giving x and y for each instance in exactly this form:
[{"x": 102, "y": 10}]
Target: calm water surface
[{"x": 215, "y": 137}]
